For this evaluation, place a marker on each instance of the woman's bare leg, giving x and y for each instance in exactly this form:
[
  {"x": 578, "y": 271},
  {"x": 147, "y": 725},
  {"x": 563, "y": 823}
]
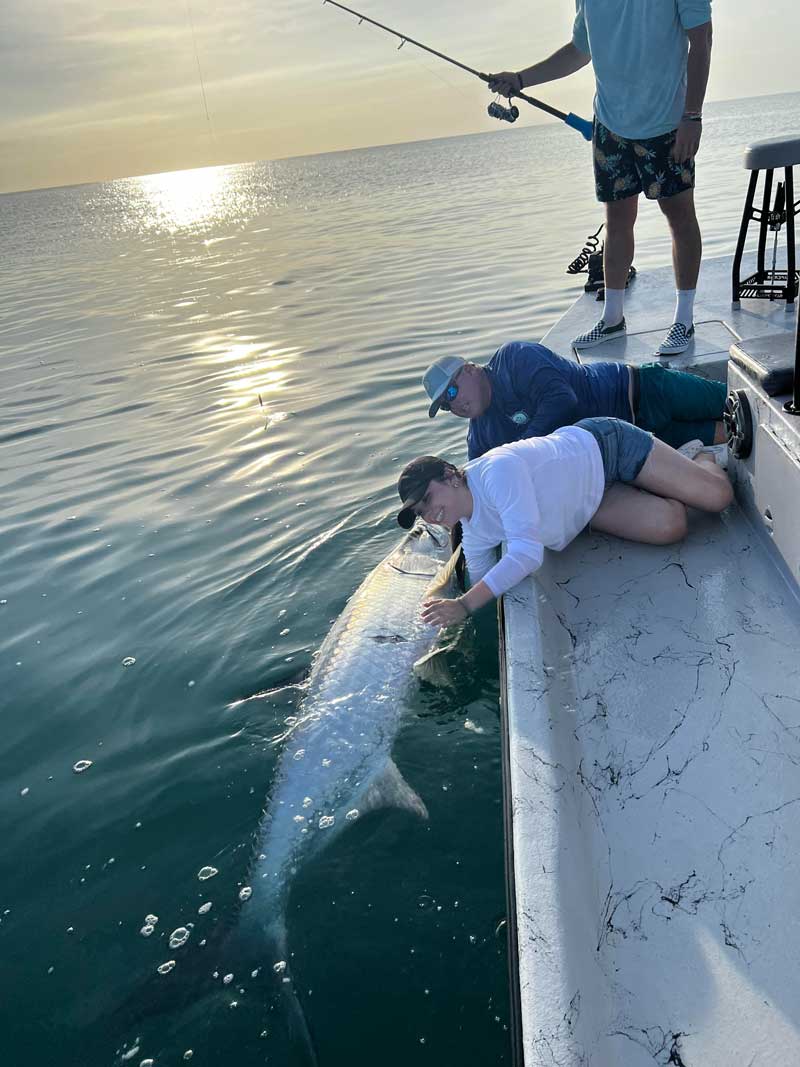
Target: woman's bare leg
[
  {"x": 640, "y": 516},
  {"x": 699, "y": 483}
]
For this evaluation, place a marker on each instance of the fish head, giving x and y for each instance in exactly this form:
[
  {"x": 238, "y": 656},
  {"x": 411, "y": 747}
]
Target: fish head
[
  {"x": 427, "y": 551},
  {"x": 427, "y": 544}
]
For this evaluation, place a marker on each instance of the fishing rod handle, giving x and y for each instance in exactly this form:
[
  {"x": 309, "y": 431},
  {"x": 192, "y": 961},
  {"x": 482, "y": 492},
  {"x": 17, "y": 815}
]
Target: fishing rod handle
[{"x": 581, "y": 125}]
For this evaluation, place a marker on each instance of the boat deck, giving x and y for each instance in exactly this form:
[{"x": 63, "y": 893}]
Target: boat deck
[{"x": 652, "y": 711}]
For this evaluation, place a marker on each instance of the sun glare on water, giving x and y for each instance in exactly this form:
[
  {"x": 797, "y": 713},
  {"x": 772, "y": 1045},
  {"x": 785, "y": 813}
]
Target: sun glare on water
[{"x": 184, "y": 199}]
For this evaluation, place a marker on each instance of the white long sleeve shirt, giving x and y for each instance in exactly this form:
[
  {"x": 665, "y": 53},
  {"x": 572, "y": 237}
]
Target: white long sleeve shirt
[{"x": 533, "y": 494}]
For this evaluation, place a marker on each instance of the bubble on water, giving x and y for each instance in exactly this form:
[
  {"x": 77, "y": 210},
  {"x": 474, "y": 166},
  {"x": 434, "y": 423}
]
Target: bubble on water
[
  {"x": 326, "y": 763},
  {"x": 24, "y": 792},
  {"x": 129, "y": 661},
  {"x": 472, "y": 939},
  {"x": 147, "y": 1063},
  {"x": 352, "y": 814},
  {"x": 82, "y": 765},
  {"x": 206, "y": 872},
  {"x": 279, "y": 967},
  {"x": 245, "y": 892},
  {"x": 254, "y": 974},
  {"x": 130, "y": 1053},
  {"x": 165, "y": 968},
  {"x": 190, "y": 684},
  {"x": 307, "y": 802},
  {"x": 283, "y": 633},
  {"x": 473, "y": 727},
  {"x": 204, "y": 908},
  {"x": 178, "y": 937},
  {"x": 300, "y": 753},
  {"x": 326, "y": 821},
  {"x": 299, "y": 818},
  {"x": 147, "y": 929},
  {"x": 234, "y": 1004},
  {"x": 227, "y": 979},
  {"x": 3, "y": 602},
  {"x": 188, "y": 1054},
  {"x": 151, "y": 919}
]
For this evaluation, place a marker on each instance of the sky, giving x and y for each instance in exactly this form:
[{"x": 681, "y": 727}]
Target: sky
[{"x": 97, "y": 89}]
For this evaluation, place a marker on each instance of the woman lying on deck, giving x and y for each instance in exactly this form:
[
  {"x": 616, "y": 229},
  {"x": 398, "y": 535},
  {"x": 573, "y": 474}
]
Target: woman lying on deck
[{"x": 541, "y": 492}]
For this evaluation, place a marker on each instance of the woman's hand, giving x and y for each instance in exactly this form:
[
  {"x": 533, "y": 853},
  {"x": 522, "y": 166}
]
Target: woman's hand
[{"x": 437, "y": 611}]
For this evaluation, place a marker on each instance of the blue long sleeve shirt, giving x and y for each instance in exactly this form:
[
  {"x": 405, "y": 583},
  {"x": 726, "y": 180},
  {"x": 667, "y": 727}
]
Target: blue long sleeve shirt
[{"x": 534, "y": 391}]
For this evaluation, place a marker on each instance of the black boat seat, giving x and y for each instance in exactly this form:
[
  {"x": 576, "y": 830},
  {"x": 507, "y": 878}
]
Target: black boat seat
[{"x": 769, "y": 360}]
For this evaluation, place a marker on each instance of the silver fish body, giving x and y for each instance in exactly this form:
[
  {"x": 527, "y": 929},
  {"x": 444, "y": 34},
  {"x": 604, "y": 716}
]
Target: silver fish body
[{"x": 336, "y": 764}]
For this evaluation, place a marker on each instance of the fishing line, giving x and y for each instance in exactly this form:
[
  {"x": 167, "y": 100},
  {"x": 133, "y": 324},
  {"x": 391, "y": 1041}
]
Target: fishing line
[
  {"x": 199, "y": 71},
  {"x": 495, "y": 109}
]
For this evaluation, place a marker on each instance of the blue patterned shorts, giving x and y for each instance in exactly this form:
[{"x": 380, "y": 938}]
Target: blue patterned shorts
[{"x": 625, "y": 168}]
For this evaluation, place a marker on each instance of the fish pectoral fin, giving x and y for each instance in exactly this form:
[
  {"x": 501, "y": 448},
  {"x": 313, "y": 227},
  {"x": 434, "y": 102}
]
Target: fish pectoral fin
[
  {"x": 389, "y": 789},
  {"x": 446, "y": 575},
  {"x": 433, "y": 668}
]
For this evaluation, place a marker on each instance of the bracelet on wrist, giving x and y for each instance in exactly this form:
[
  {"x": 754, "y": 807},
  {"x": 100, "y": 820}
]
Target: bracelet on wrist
[
  {"x": 463, "y": 604},
  {"x": 692, "y": 116}
]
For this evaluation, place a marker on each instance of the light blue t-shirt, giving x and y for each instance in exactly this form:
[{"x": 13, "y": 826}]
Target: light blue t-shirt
[{"x": 639, "y": 50}]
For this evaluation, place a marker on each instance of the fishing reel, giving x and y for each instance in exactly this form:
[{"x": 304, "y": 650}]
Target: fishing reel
[{"x": 496, "y": 110}]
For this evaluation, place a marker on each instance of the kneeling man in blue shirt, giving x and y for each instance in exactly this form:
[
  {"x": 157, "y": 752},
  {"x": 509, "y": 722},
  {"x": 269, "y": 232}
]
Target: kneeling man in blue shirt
[{"x": 525, "y": 390}]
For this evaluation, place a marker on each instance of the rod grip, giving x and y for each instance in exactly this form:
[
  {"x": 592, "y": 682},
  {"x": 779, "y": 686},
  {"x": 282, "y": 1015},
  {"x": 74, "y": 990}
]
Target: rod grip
[{"x": 581, "y": 125}]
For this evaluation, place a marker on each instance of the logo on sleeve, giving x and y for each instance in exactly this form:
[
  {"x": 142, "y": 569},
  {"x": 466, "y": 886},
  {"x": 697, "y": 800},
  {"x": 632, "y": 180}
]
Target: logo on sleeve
[{"x": 520, "y": 418}]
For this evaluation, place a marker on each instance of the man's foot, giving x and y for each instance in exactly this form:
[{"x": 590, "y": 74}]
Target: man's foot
[
  {"x": 677, "y": 339},
  {"x": 691, "y": 448},
  {"x": 598, "y": 334}
]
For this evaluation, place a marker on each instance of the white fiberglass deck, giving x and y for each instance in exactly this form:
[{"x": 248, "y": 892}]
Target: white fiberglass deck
[{"x": 653, "y": 714}]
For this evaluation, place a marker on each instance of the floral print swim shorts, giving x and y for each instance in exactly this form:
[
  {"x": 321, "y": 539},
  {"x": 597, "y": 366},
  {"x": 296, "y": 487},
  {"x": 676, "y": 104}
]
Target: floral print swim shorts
[{"x": 626, "y": 168}]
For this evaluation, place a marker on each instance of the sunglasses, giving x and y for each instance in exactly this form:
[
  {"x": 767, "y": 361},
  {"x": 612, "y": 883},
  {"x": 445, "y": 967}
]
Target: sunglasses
[{"x": 450, "y": 393}]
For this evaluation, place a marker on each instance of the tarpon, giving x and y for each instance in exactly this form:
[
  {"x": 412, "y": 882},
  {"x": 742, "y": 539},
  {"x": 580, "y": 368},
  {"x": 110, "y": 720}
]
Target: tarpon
[{"x": 337, "y": 760}]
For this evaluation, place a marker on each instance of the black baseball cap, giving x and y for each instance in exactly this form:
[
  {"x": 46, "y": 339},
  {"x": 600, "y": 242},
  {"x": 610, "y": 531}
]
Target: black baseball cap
[{"x": 413, "y": 482}]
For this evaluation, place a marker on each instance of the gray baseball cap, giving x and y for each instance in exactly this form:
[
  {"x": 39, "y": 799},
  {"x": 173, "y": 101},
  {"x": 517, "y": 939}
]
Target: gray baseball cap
[{"x": 437, "y": 378}]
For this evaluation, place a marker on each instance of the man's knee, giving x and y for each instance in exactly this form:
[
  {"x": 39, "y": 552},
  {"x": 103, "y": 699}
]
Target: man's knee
[
  {"x": 679, "y": 209},
  {"x": 621, "y": 214}
]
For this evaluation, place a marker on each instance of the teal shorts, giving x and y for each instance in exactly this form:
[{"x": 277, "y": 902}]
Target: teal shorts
[{"x": 678, "y": 407}]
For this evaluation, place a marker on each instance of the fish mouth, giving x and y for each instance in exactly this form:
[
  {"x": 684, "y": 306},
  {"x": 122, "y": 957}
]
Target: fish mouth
[{"x": 438, "y": 534}]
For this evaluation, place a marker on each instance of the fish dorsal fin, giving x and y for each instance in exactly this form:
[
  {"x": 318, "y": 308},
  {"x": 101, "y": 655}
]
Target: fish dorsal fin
[
  {"x": 432, "y": 668},
  {"x": 442, "y": 579},
  {"x": 389, "y": 789}
]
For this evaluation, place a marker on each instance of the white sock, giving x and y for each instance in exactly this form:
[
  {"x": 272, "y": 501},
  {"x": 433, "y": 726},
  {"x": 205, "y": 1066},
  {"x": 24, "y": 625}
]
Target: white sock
[
  {"x": 684, "y": 308},
  {"x": 612, "y": 309}
]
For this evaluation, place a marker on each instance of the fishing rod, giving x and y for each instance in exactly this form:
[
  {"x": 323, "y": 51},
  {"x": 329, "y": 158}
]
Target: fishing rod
[{"x": 495, "y": 109}]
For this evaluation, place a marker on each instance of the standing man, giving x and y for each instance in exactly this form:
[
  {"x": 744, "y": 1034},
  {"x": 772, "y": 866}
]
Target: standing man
[{"x": 651, "y": 60}]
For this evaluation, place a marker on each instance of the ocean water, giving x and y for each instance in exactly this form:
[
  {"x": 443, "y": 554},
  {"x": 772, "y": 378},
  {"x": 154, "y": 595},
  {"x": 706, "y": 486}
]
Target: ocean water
[{"x": 210, "y": 382}]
